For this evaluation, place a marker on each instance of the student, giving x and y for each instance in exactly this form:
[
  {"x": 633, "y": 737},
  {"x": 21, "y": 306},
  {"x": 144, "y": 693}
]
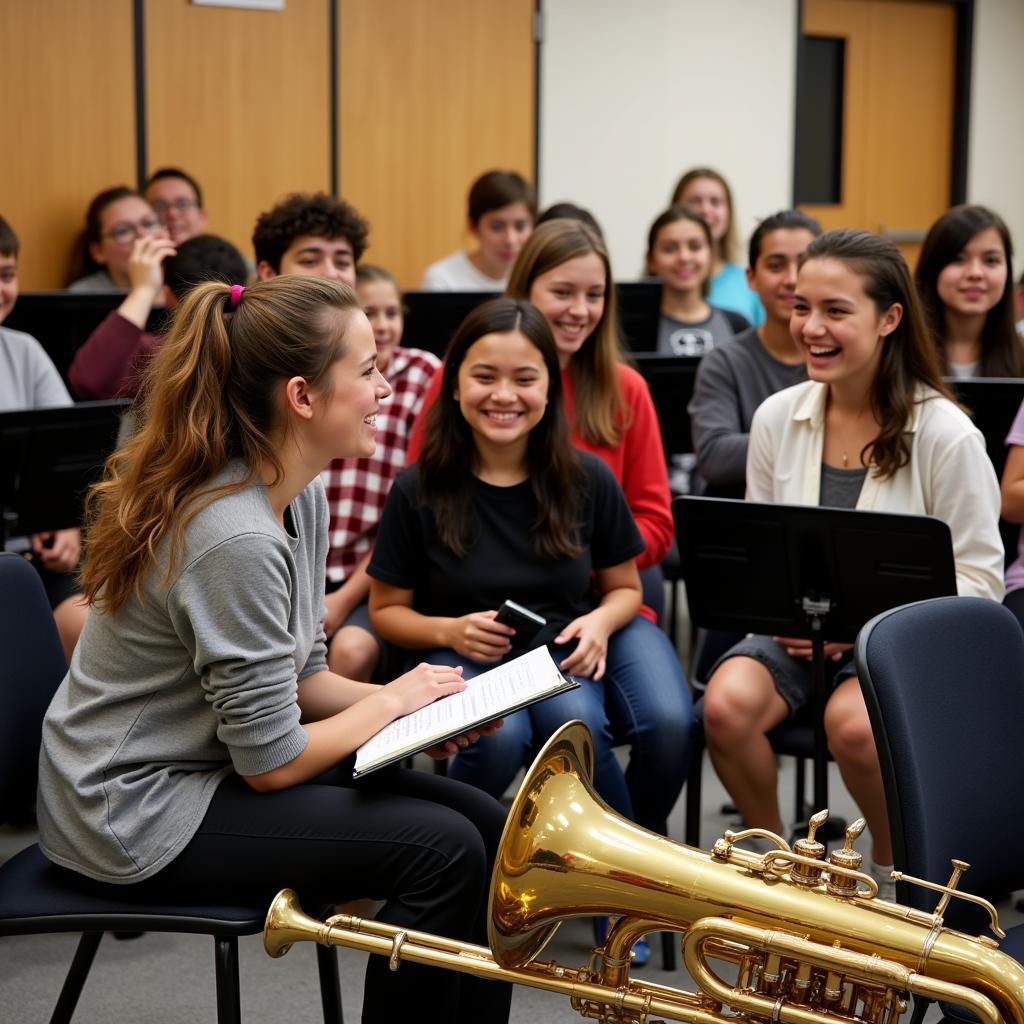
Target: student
[
  {"x": 679, "y": 252},
  {"x": 565, "y": 272},
  {"x": 29, "y": 380},
  {"x": 310, "y": 233},
  {"x": 965, "y": 278},
  {"x": 501, "y": 213},
  {"x": 873, "y": 428},
  {"x": 199, "y": 743},
  {"x": 114, "y": 221},
  {"x": 356, "y": 487},
  {"x": 733, "y": 380},
  {"x": 706, "y": 193},
  {"x": 111, "y": 362},
  {"x": 178, "y": 201}
]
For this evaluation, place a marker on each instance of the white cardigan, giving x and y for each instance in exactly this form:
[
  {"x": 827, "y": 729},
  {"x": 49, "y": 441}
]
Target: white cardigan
[{"x": 949, "y": 475}]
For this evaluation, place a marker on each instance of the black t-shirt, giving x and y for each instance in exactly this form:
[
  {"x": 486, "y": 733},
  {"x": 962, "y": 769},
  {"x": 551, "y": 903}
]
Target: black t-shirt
[{"x": 502, "y": 564}]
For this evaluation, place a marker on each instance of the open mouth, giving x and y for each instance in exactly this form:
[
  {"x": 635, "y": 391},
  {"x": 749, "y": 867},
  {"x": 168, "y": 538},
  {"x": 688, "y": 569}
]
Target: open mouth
[
  {"x": 371, "y": 420},
  {"x": 823, "y": 351},
  {"x": 501, "y": 417}
]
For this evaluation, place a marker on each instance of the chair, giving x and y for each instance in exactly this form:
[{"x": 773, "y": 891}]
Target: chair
[
  {"x": 38, "y": 898},
  {"x": 943, "y": 681}
]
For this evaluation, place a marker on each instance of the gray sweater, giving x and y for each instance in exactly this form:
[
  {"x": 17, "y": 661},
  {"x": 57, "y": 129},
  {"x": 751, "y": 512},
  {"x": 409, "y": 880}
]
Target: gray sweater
[
  {"x": 732, "y": 381},
  {"x": 28, "y": 378},
  {"x": 167, "y": 696}
]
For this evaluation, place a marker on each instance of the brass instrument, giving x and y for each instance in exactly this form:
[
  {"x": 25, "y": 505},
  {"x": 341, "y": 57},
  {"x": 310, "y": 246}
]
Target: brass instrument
[{"x": 810, "y": 940}]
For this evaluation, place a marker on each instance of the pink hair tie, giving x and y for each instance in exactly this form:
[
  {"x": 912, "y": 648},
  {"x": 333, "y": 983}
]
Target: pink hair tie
[{"x": 236, "y": 294}]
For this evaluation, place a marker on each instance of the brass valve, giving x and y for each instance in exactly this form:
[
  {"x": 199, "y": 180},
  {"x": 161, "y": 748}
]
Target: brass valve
[
  {"x": 840, "y": 884},
  {"x": 810, "y": 874}
]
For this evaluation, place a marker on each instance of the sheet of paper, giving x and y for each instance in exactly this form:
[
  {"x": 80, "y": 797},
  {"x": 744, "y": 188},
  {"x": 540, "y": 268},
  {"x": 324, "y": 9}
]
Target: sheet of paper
[{"x": 486, "y": 696}]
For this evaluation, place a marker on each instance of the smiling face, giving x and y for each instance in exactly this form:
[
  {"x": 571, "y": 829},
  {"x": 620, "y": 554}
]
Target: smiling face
[
  {"x": 344, "y": 412},
  {"x": 121, "y": 223},
  {"x": 501, "y": 234},
  {"x": 706, "y": 198},
  {"x": 332, "y": 258},
  {"x": 8, "y": 284},
  {"x": 975, "y": 280},
  {"x": 175, "y": 202},
  {"x": 681, "y": 256},
  {"x": 383, "y": 308},
  {"x": 571, "y": 296},
  {"x": 837, "y": 325},
  {"x": 502, "y": 390},
  {"x": 775, "y": 274}
]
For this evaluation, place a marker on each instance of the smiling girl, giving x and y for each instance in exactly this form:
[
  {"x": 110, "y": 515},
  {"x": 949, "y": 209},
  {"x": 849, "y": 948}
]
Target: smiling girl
[
  {"x": 965, "y": 278},
  {"x": 199, "y": 743},
  {"x": 679, "y": 252},
  {"x": 873, "y": 428}
]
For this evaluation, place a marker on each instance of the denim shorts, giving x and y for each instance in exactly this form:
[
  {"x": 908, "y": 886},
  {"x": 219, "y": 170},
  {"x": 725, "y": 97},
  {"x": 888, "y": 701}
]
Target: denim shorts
[{"x": 793, "y": 677}]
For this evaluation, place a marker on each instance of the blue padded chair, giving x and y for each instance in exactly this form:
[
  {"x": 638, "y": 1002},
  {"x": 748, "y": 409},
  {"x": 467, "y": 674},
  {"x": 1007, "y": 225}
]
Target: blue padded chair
[
  {"x": 38, "y": 898},
  {"x": 943, "y": 681}
]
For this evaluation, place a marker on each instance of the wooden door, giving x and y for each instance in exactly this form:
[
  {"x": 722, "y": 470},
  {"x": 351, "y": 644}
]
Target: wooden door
[
  {"x": 431, "y": 95},
  {"x": 897, "y": 123}
]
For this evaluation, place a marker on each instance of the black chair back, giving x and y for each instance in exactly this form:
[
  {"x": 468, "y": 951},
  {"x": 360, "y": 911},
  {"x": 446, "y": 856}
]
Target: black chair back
[{"x": 944, "y": 685}]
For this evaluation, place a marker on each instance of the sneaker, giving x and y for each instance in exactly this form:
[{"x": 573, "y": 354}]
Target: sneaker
[
  {"x": 641, "y": 949},
  {"x": 882, "y": 874},
  {"x": 641, "y": 952}
]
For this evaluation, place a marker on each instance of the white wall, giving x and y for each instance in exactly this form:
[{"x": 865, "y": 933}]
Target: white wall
[
  {"x": 634, "y": 93},
  {"x": 995, "y": 169}
]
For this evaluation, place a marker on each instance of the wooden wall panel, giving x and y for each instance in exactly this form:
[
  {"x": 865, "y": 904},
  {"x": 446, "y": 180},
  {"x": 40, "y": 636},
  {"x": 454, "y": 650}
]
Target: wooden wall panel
[
  {"x": 241, "y": 100},
  {"x": 431, "y": 95},
  {"x": 66, "y": 75}
]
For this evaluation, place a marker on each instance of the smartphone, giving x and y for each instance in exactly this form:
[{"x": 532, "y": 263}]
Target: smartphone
[{"x": 525, "y": 622}]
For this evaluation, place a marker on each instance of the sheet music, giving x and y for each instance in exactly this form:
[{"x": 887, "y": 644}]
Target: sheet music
[{"x": 488, "y": 696}]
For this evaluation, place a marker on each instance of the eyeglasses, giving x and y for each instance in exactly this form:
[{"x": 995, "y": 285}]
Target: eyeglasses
[
  {"x": 123, "y": 233},
  {"x": 182, "y": 204}
]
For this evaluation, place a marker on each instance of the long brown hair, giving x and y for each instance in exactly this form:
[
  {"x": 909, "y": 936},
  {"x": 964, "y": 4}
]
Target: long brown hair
[
  {"x": 727, "y": 247},
  {"x": 210, "y": 395},
  {"x": 449, "y": 454},
  {"x": 908, "y": 357},
  {"x": 601, "y": 413}
]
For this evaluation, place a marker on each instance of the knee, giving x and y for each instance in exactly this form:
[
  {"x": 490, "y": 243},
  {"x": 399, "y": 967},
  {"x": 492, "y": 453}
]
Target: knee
[
  {"x": 731, "y": 711},
  {"x": 353, "y": 653},
  {"x": 849, "y": 735}
]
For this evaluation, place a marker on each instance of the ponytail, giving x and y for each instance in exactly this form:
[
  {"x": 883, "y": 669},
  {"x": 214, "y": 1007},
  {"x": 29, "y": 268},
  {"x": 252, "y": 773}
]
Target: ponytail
[{"x": 210, "y": 395}]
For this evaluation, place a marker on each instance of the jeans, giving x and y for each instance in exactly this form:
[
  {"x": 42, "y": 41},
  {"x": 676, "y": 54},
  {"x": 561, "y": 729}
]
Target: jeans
[{"x": 651, "y": 710}]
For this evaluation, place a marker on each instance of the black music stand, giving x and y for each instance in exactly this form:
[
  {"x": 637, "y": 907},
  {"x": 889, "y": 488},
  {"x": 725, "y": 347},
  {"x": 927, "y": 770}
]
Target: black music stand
[
  {"x": 804, "y": 571},
  {"x": 48, "y": 459}
]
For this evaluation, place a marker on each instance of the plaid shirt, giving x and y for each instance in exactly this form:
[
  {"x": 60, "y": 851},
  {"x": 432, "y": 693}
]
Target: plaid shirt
[{"x": 356, "y": 488}]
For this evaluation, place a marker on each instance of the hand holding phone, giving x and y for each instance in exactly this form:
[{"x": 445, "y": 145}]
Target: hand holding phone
[{"x": 526, "y": 623}]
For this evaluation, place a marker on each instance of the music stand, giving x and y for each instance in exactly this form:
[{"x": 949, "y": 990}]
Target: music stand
[
  {"x": 48, "y": 459},
  {"x": 804, "y": 571}
]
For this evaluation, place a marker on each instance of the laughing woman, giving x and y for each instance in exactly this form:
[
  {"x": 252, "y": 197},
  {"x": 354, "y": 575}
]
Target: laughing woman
[{"x": 873, "y": 428}]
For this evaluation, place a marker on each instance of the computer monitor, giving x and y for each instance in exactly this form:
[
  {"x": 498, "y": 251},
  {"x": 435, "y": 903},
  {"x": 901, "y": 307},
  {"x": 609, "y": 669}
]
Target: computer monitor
[
  {"x": 639, "y": 305},
  {"x": 431, "y": 318},
  {"x": 670, "y": 380},
  {"x": 62, "y": 321},
  {"x": 48, "y": 459}
]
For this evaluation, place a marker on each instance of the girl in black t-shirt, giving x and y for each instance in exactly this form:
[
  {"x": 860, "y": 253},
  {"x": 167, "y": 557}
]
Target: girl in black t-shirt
[{"x": 502, "y": 506}]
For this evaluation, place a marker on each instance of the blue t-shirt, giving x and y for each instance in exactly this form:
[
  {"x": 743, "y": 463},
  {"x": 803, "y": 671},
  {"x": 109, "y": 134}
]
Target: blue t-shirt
[{"x": 729, "y": 290}]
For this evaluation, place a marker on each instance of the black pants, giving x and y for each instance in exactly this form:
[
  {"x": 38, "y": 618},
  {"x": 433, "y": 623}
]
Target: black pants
[
  {"x": 422, "y": 843},
  {"x": 1014, "y": 600}
]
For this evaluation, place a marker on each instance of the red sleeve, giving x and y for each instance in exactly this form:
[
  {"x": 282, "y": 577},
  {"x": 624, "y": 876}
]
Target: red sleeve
[
  {"x": 412, "y": 453},
  {"x": 644, "y": 476},
  {"x": 110, "y": 363}
]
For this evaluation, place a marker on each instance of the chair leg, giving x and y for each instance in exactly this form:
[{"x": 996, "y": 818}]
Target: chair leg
[
  {"x": 668, "y": 951},
  {"x": 799, "y": 797},
  {"x": 330, "y": 987},
  {"x": 693, "y": 785},
  {"x": 76, "y": 976},
  {"x": 229, "y": 1008}
]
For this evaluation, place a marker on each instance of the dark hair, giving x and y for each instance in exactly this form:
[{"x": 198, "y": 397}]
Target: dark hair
[
  {"x": 570, "y": 211},
  {"x": 175, "y": 172},
  {"x": 9, "y": 245},
  {"x": 208, "y": 396},
  {"x": 204, "y": 258},
  {"x": 602, "y": 415},
  {"x": 908, "y": 357},
  {"x": 81, "y": 263},
  {"x": 449, "y": 456},
  {"x": 1001, "y": 353},
  {"x": 728, "y": 248},
  {"x": 495, "y": 189},
  {"x": 304, "y": 213},
  {"x": 781, "y": 221},
  {"x": 670, "y": 216}
]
